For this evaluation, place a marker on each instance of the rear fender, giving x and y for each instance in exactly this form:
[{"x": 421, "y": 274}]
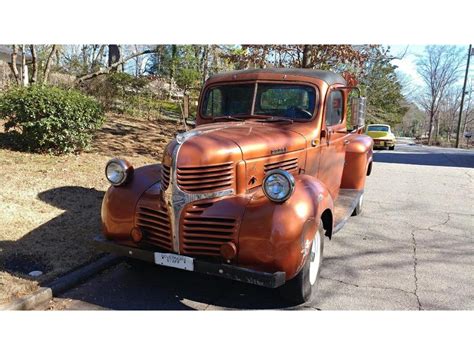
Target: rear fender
[
  {"x": 276, "y": 237},
  {"x": 357, "y": 161}
]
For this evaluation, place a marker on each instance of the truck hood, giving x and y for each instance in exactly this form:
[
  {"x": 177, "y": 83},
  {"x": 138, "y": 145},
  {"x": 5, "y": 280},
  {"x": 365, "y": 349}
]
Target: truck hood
[{"x": 232, "y": 141}]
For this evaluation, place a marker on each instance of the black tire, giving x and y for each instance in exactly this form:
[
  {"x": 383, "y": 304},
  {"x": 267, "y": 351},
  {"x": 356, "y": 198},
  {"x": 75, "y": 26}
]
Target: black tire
[
  {"x": 299, "y": 289},
  {"x": 358, "y": 209},
  {"x": 391, "y": 148}
]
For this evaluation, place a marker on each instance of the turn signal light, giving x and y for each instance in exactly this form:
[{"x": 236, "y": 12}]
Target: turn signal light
[
  {"x": 136, "y": 235},
  {"x": 228, "y": 251}
]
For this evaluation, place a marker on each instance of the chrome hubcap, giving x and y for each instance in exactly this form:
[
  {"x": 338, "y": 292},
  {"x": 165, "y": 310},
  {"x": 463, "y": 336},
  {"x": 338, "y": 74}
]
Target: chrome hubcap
[{"x": 315, "y": 256}]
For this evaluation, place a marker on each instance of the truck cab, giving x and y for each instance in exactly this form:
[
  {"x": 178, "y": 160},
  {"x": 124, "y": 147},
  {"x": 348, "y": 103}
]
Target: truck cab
[{"x": 269, "y": 172}]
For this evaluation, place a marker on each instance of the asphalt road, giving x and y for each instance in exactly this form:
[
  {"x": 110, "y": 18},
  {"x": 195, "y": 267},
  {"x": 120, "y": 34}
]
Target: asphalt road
[{"x": 412, "y": 248}]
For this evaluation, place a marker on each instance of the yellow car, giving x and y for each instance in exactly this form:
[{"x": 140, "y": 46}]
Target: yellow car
[{"x": 382, "y": 136}]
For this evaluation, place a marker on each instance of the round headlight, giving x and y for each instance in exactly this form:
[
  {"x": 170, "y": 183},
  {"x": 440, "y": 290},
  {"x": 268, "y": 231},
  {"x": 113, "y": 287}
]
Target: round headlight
[
  {"x": 118, "y": 171},
  {"x": 278, "y": 185}
]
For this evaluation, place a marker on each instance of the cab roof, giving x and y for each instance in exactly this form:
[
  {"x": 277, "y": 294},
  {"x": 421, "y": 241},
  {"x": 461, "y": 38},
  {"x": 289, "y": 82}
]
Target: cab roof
[{"x": 325, "y": 75}]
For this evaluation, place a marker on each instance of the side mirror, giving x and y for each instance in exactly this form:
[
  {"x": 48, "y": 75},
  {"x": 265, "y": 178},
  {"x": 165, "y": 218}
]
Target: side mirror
[{"x": 358, "y": 109}]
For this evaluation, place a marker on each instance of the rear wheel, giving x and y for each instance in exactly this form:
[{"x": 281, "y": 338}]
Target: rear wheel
[
  {"x": 301, "y": 288},
  {"x": 392, "y": 147}
]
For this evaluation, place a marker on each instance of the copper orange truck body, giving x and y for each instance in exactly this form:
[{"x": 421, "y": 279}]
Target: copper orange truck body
[{"x": 205, "y": 208}]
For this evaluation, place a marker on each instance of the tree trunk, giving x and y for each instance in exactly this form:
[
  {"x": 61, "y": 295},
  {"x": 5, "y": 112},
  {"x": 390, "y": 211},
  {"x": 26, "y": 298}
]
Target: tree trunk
[
  {"x": 306, "y": 56},
  {"x": 205, "y": 63},
  {"x": 47, "y": 67},
  {"x": 58, "y": 55},
  {"x": 13, "y": 66},
  {"x": 96, "y": 61},
  {"x": 34, "y": 64},
  {"x": 24, "y": 73},
  {"x": 430, "y": 128},
  {"x": 172, "y": 68},
  {"x": 114, "y": 57}
]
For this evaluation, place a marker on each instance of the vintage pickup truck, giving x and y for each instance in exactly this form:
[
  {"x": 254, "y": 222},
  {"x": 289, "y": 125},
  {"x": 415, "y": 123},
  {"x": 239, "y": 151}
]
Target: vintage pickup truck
[{"x": 251, "y": 192}]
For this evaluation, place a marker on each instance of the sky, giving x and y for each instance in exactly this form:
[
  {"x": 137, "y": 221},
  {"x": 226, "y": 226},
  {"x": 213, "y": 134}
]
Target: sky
[{"x": 407, "y": 65}]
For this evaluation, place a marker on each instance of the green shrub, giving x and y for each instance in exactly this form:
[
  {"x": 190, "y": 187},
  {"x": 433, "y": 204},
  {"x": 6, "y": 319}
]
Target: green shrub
[{"x": 49, "y": 119}]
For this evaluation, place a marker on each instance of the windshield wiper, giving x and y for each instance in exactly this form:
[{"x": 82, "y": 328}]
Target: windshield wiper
[{"x": 277, "y": 119}]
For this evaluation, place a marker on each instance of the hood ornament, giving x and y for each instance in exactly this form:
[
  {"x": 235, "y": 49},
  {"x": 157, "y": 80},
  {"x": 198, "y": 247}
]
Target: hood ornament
[
  {"x": 183, "y": 137},
  {"x": 279, "y": 151}
]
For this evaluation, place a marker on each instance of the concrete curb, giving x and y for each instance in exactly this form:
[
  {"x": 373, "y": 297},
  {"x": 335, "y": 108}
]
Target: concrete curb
[
  {"x": 80, "y": 275},
  {"x": 64, "y": 283}
]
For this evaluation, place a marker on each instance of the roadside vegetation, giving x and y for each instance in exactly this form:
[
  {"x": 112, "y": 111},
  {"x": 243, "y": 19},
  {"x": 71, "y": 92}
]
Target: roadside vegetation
[{"x": 49, "y": 119}]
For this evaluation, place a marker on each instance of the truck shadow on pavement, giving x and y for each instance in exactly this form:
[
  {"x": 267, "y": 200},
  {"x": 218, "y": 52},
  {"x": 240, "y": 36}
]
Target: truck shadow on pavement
[
  {"x": 152, "y": 287},
  {"x": 62, "y": 243}
]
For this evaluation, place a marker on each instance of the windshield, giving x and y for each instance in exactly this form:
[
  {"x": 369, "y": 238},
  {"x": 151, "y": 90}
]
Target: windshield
[
  {"x": 272, "y": 100},
  {"x": 378, "y": 128}
]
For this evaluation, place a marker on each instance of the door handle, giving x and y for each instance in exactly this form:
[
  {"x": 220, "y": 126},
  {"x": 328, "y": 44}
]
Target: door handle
[{"x": 346, "y": 141}]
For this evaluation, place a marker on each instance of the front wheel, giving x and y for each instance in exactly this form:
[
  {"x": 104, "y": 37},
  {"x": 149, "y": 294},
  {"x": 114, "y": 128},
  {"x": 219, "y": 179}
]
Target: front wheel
[
  {"x": 301, "y": 288},
  {"x": 392, "y": 147},
  {"x": 358, "y": 208}
]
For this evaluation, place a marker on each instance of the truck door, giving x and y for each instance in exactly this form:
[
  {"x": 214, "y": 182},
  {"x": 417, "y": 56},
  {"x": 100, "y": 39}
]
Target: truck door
[{"x": 333, "y": 137}]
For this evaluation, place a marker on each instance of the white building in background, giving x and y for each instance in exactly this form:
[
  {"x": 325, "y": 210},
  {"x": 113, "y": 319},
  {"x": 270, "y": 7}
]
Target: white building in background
[{"x": 5, "y": 60}]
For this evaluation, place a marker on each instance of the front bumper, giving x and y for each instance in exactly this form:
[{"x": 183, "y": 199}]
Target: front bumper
[
  {"x": 265, "y": 279},
  {"x": 383, "y": 143}
]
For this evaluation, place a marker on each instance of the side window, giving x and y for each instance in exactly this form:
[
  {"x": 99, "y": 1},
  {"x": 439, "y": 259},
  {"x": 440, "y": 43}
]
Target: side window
[{"x": 334, "y": 108}]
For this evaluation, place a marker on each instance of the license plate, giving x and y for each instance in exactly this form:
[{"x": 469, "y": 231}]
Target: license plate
[{"x": 174, "y": 260}]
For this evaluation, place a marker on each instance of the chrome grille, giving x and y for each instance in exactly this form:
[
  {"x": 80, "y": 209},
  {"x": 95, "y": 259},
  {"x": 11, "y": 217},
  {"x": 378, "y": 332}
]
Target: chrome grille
[
  {"x": 202, "y": 179},
  {"x": 204, "y": 235},
  {"x": 155, "y": 225},
  {"x": 290, "y": 165}
]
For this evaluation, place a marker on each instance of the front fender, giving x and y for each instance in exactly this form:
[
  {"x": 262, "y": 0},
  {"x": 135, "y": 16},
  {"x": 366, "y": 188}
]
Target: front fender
[
  {"x": 276, "y": 237},
  {"x": 119, "y": 203}
]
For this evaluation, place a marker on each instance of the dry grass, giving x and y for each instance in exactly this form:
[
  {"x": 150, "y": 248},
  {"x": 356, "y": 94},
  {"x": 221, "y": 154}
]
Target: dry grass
[{"x": 50, "y": 206}]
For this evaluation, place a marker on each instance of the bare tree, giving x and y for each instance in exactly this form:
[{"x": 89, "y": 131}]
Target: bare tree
[
  {"x": 110, "y": 68},
  {"x": 469, "y": 108},
  {"x": 34, "y": 64},
  {"x": 47, "y": 67},
  {"x": 439, "y": 68},
  {"x": 174, "y": 52},
  {"x": 24, "y": 72},
  {"x": 306, "y": 56},
  {"x": 449, "y": 109},
  {"x": 205, "y": 63},
  {"x": 13, "y": 66},
  {"x": 114, "y": 57},
  {"x": 97, "y": 57}
]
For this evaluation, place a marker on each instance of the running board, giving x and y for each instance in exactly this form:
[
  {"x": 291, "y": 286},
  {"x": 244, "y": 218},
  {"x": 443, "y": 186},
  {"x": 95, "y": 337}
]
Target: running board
[{"x": 344, "y": 206}]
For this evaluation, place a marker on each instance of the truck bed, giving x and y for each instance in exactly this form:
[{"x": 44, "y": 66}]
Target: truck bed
[{"x": 344, "y": 206}]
